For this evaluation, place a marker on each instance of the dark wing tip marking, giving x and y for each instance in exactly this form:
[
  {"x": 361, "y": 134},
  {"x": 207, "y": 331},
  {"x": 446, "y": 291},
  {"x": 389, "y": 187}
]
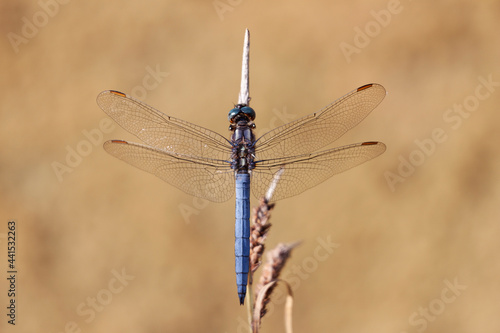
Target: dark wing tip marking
[
  {"x": 118, "y": 141},
  {"x": 118, "y": 93},
  {"x": 370, "y": 143},
  {"x": 366, "y": 86}
]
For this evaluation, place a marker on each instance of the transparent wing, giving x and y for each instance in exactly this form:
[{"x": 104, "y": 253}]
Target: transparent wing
[
  {"x": 161, "y": 131},
  {"x": 306, "y": 171},
  {"x": 205, "y": 178},
  {"x": 320, "y": 129}
]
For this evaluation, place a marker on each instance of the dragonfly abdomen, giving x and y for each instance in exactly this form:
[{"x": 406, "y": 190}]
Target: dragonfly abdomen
[{"x": 242, "y": 233}]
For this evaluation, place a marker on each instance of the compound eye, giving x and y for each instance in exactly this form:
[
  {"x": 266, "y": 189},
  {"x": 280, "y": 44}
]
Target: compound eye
[
  {"x": 249, "y": 112},
  {"x": 232, "y": 115}
]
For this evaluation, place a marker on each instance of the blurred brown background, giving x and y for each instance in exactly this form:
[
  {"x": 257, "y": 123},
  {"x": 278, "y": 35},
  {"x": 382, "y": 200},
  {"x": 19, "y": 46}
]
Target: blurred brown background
[{"x": 413, "y": 254}]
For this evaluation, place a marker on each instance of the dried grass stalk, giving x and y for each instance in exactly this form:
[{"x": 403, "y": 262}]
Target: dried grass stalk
[
  {"x": 288, "y": 306},
  {"x": 258, "y": 233},
  {"x": 276, "y": 260}
]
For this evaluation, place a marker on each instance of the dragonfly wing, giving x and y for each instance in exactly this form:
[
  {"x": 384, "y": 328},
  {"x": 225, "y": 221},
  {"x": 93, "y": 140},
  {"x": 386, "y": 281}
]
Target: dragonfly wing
[
  {"x": 320, "y": 129},
  {"x": 209, "y": 179},
  {"x": 305, "y": 171},
  {"x": 161, "y": 131}
]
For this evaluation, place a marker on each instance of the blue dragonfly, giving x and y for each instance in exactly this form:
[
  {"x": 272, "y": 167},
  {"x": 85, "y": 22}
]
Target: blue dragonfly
[{"x": 207, "y": 165}]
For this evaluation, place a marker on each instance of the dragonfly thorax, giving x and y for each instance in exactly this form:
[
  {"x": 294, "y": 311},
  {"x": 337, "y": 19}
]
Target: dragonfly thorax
[{"x": 243, "y": 146}]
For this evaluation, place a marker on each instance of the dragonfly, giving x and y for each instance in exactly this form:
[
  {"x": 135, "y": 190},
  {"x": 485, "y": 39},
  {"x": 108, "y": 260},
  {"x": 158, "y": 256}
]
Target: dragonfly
[{"x": 208, "y": 165}]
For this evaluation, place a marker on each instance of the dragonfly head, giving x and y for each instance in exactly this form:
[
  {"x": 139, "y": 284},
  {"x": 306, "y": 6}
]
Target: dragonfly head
[{"x": 241, "y": 112}]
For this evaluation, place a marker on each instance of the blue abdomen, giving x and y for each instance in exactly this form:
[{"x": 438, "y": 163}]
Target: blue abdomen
[{"x": 242, "y": 233}]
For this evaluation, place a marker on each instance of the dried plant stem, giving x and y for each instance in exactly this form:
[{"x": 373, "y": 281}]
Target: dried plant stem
[
  {"x": 258, "y": 233},
  {"x": 250, "y": 302},
  {"x": 276, "y": 260},
  {"x": 288, "y": 309},
  {"x": 260, "y": 301},
  {"x": 244, "y": 96},
  {"x": 259, "y": 304}
]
